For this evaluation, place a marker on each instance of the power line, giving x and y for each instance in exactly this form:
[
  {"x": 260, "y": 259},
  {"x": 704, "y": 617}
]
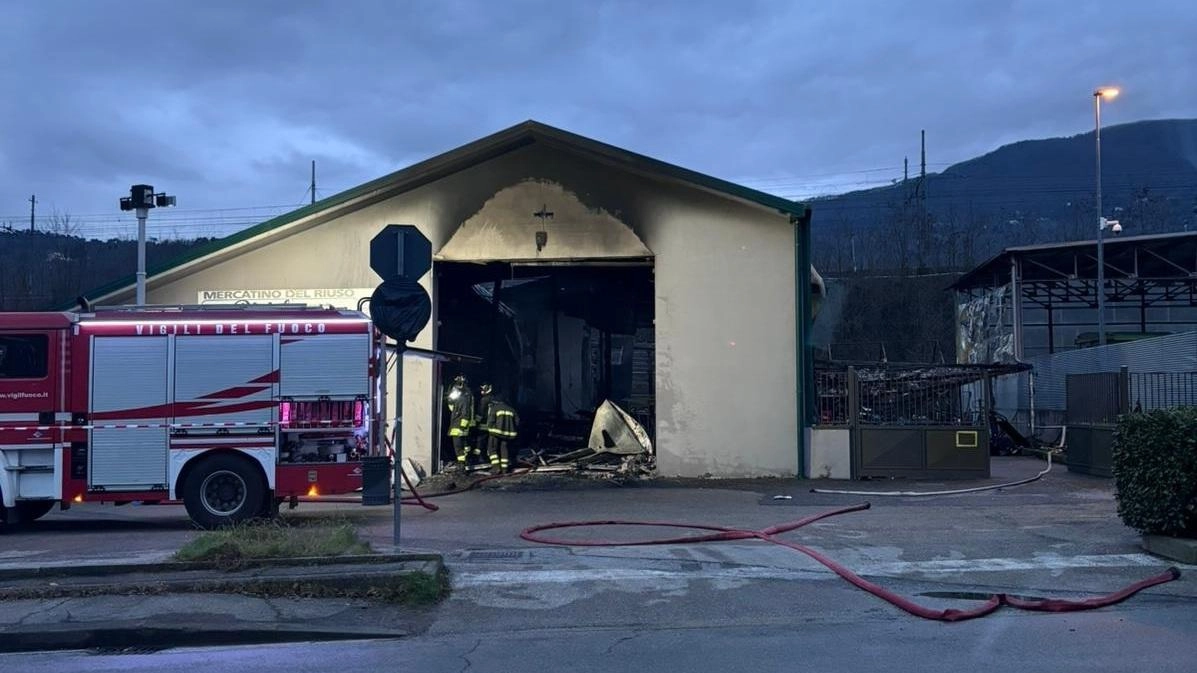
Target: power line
[{"x": 180, "y": 210}]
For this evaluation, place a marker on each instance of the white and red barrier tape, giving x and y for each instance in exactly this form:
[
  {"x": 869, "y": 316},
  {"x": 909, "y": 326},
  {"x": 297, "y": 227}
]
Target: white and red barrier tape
[{"x": 301, "y": 425}]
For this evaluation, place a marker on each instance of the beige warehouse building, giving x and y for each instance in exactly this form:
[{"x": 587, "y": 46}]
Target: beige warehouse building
[{"x": 670, "y": 292}]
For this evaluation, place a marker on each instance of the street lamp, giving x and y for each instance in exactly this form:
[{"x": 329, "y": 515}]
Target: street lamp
[
  {"x": 141, "y": 198},
  {"x": 1109, "y": 93}
]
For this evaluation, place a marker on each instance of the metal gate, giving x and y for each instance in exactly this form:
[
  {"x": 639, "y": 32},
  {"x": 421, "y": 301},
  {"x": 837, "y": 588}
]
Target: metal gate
[
  {"x": 1096, "y": 400},
  {"x": 914, "y": 422}
]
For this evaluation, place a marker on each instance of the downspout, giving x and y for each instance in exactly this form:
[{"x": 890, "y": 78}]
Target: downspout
[{"x": 803, "y": 355}]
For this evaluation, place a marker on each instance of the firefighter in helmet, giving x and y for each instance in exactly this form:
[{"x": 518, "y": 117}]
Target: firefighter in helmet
[
  {"x": 461, "y": 419},
  {"x": 502, "y": 424},
  {"x": 482, "y": 437}
]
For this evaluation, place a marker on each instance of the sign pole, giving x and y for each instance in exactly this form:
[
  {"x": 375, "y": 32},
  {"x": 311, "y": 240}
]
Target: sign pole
[
  {"x": 398, "y": 438},
  {"x": 400, "y": 307}
]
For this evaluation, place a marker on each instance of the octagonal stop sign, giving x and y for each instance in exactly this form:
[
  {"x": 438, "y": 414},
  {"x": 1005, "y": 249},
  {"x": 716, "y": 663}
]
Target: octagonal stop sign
[{"x": 400, "y": 251}]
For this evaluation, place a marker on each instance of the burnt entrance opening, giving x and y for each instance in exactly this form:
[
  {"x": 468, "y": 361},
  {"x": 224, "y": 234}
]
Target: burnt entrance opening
[{"x": 556, "y": 342}]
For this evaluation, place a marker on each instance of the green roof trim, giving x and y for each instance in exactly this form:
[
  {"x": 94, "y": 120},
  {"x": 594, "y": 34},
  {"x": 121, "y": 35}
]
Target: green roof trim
[{"x": 437, "y": 167}]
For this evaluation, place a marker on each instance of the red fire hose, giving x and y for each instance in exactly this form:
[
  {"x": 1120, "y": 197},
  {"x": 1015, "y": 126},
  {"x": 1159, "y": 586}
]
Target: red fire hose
[
  {"x": 769, "y": 534},
  {"x": 722, "y": 533},
  {"x": 416, "y": 498}
]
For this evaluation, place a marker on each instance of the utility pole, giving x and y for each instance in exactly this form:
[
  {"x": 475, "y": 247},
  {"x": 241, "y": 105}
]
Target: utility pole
[
  {"x": 32, "y": 212},
  {"x": 313, "y": 187},
  {"x": 923, "y": 174},
  {"x": 1107, "y": 92},
  {"x": 924, "y": 225},
  {"x": 905, "y": 169}
]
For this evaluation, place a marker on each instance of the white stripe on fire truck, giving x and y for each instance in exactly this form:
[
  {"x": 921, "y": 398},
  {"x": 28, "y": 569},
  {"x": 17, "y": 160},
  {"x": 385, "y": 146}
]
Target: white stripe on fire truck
[
  {"x": 220, "y": 439},
  {"x": 244, "y": 443}
]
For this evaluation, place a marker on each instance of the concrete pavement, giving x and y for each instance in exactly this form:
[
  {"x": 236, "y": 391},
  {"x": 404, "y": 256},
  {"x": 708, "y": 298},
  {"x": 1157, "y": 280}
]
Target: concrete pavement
[{"x": 722, "y": 606}]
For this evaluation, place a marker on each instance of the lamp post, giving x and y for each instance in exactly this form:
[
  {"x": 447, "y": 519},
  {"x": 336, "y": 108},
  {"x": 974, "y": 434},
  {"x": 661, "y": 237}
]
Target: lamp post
[
  {"x": 1108, "y": 93},
  {"x": 141, "y": 198}
]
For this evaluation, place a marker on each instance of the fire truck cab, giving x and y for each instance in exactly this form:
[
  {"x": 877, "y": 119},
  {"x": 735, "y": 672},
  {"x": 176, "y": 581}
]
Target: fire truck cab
[{"x": 230, "y": 410}]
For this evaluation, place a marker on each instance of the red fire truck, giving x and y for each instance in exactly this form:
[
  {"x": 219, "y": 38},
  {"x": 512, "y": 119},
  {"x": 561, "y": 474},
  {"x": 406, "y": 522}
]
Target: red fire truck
[{"x": 231, "y": 410}]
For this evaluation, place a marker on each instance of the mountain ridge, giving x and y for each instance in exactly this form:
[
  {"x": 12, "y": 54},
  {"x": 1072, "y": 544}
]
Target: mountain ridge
[{"x": 1029, "y": 191}]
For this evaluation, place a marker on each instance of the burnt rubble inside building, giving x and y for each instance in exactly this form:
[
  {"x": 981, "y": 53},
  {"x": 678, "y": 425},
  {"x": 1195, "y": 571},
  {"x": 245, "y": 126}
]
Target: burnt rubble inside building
[{"x": 570, "y": 348}]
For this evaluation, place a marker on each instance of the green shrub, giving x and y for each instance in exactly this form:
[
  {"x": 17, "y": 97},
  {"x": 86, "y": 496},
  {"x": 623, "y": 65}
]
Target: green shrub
[{"x": 1155, "y": 471}]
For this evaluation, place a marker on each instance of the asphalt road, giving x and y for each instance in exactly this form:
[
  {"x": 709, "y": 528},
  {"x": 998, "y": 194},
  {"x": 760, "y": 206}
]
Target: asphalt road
[
  {"x": 729, "y": 606},
  {"x": 1161, "y": 639}
]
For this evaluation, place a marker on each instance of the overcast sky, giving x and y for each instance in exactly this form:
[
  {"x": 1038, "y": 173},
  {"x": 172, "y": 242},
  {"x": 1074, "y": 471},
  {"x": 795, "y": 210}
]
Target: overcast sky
[{"x": 225, "y": 103}]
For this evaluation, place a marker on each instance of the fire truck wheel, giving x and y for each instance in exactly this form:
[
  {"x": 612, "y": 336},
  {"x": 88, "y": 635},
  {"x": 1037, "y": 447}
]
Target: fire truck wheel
[
  {"x": 30, "y": 511},
  {"x": 222, "y": 490}
]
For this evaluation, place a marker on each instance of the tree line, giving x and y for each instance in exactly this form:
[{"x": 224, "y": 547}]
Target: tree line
[{"x": 45, "y": 269}]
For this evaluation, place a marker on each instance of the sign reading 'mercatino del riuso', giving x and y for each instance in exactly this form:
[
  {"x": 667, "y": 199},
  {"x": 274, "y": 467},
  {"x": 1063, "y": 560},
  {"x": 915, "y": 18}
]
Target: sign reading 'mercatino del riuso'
[{"x": 337, "y": 297}]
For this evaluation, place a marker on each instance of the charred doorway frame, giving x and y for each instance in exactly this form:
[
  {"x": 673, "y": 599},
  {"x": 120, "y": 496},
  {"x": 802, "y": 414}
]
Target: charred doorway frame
[{"x": 504, "y": 272}]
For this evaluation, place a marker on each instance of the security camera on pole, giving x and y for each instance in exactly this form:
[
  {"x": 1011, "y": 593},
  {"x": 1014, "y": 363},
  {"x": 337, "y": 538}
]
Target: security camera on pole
[
  {"x": 400, "y": 307},
  {"x": 141, "y": 198}
]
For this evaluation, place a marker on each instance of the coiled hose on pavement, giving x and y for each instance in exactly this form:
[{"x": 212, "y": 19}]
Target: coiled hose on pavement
[
  {"x": 721, "y": 533},
  {"x": 959, "y": 491}
]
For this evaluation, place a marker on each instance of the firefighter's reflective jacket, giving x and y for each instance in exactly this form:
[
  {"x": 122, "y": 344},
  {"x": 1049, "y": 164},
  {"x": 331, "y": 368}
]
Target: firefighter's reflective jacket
[
  {"x": 482, "y": 413},
  {"x": 502, "y": 420},
  {"x": 461, "y": 411}
]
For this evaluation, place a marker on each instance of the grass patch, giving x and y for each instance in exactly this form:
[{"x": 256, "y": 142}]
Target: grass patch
[{"x": 272, "y": 539}]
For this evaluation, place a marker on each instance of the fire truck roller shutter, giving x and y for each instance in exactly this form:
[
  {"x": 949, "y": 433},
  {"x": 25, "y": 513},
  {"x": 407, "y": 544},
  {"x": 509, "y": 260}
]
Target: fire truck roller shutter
[
  {"x": 130, "y": 386},
  {"x": 224, "y": 488},
  {"x": 328, "y": 364},
  {"x": 224, "y": 379}
]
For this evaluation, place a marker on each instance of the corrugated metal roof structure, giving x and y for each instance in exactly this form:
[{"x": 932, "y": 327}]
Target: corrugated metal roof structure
[{"x": 1164, "y": 256}]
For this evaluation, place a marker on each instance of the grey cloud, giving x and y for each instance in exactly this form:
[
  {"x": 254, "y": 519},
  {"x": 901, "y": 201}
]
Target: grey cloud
[{"x": 228, "y": 101}]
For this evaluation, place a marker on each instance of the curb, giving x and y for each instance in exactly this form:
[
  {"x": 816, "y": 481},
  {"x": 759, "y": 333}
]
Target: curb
[
  {"x": 139, "y": 638},
  {"x": 50, "y": 572},
  {"x": 1179, "y": 549},
  {"x": 380, "y": 584}
]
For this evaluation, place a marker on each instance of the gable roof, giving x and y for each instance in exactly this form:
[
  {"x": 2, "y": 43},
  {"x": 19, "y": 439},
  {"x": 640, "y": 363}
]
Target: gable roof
[{"x": 453, "y": 161}]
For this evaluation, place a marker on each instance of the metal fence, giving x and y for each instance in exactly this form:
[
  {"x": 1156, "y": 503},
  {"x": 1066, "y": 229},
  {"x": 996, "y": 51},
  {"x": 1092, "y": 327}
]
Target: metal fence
[
  {"x": 1101, "y": 397},
  {"x": 942, "y": 396},
  {"x": 917, "y": 398},
  {"x": 831, "y": 394},
  {"x": 1096, "y": 400},
  {"x": 1162, "y": 390}
]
